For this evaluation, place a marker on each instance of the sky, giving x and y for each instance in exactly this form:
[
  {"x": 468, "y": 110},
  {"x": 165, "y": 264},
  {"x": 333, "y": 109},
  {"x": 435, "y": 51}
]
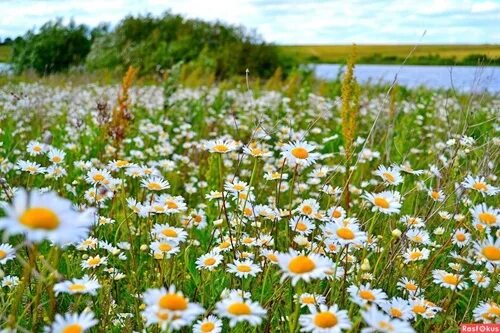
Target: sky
[{"x": 288, "y": 21}]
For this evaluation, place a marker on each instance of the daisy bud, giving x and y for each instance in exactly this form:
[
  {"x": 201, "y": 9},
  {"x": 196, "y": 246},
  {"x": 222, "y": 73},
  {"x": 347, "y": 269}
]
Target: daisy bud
[
  {"x": 396, "y": 233},
  {"x": 365, "y": 266},
  {"x": 217, "y": 222},
  {"x": 439, "y": 231},
  {"x": 85, "y": 256},
  {"x": 144, "y": 247}
]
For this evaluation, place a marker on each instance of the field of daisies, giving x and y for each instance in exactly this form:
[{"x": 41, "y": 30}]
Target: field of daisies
[{"x": 135, "y": 209}]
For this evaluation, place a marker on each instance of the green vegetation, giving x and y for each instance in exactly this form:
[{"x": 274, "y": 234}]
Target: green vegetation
[
  {"x": 151, "y": 44},
  {"x": 5, "y": 53},
  {"x": 396, "y": 54}
]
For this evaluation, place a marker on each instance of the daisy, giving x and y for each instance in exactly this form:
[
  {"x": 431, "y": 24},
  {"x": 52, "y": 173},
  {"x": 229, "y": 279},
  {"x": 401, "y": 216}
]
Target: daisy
[
  {"x": 119, "y": 164},
  {"x": 243, "y": 269},
  {"x": 479, "y": 279},
  {"x": 449, "y": 280},
  {"x": 387, "y": 202},
  {"x": 39, "y": 216},
  {"x": 254, "y": 150},
  {"x": 98, "y": 176},
  {"x": 311, "y": 300},
  {"x": 380, "y": 322},
  {"x": 336, "y": 214},
  {"x": 31, "y": 167},
  {"x": 10, "y": 281},
  {"x": 211, "y": 324},
  {"x": 221, "y": 146},
  {"x": 488, "y": 250},
  {"x": 173, "y": 234},
  {"x": 56, "y": 156},
  {"x": 238, "y": 309},
  {"x": 413, "y": 222},
  {"x": 487, "y": 312},
  {"x": 424, "y": 308},
  {"x": 484, "y": 215},
  {"x": 300, "y": 266},
  {"x": 85, "y": 285},
  {"x": 479, "y": 184},
  {"x": 390, "y": 175},
  {"x": 154, "y": 183},
  {"x": 170, "y": 306},
  {"x": 172, "y": 205},
  {"x": 35, "y": 148},
  {"x": 7, "y": 253},
  {"x": 364, "y": 295},
  {"x": 299, "y": 153},
  {"x": 93, "y": 262},
  {"x": 309, "y": 207},
  {"x": 72, "y": 322},
  {"x": 398, "y": 307},
  {"x": 436, "y": 195},
  {"x": 209, "y": 261},
  {"x": 301, "y": 225},
  {"x": 270, "y": 255},
  {"x": 415, "y": 254},
  {"x": 164, "y": 248},
  {"x": 460, "y": 237},
  {"x": 410, "y": 286},
  {"x": 326, "y": 320},
  {"x": 418, "y": 236},
  {"x": 345, "y": 233}
]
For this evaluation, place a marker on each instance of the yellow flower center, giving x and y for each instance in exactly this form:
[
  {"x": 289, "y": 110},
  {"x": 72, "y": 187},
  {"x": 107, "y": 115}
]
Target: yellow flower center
[
  {"x": 37, "y": 148},
  {"x": 367, "y": 295},
  {"x": 487, "y": 218},
  {"x": 154, "y": 186},
  {"x": 56, "y": 159},
  {"x": 207, "y": 327},
  {"x": 224, "y": 245},
  {"x": 491, "y": 252},
  {"x": 345, "y": 233},
  {"x": 209, "y": 261},
  {"x": 73, "y": 328},
  {"x": 165, "y": 247},
  {"x": 121, "y": 163},
  {"x": 173, "y": 302},
  {"x": 77, "y": 287},
  {"x": 415, "y": 255},
  {"x": 419, "y": 309},
  {"x": 451, "y": 279},
  {"x": 307, "y": 210},
  {"x": 494, "y": 310},
  {"x": 244, "y": 268},
  {"x": 257, "y": 151},
  {"x": 336, "y": 214},
  {"x": 94, "y": 261},
  {"x": 40, "y": 218},
  {"x": 435, "y": 195},
  {"x": 301, "y": 226},
  {"x": 248, "y": 240},
  {"x": 3, "y": 254},
  {"x": 238, "y": 187},
  {"x": 381, "y": 202},
  {"x": 480, "y": 186},
  {"x": 169, "y": 232},
  {"x": 272, "y": 257},
  {"x": 172, "y": 204},
  {"x": 396, "y": 312},
  {"x": 300, "y": 153},
  {"x": 301, "y": 264},
  {"x": 325, "y": 319},
  {"x": 460, "y": 237},
  {"x": 239, "y": 309},
  {"x": 411, "y": 287},
  {"x": 308, "y": 300},
  {"x": 386, "y": 326},
  {"x": 389, "y": 177},
  {"x": 220, "y": 148},
  {"x": 98, "y": 177}
]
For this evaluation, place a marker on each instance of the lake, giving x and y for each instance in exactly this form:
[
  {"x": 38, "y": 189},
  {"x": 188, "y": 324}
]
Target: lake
[{"x": 462, "y": 78}]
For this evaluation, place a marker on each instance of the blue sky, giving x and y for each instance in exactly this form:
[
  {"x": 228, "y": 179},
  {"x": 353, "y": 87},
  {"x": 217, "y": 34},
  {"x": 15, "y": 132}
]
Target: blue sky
[{"x": 288, "y": 21}]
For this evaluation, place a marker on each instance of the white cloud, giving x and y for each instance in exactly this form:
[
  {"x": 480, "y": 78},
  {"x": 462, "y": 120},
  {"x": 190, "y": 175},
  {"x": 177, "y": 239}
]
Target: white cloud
[{"x": 287, "y": 21}]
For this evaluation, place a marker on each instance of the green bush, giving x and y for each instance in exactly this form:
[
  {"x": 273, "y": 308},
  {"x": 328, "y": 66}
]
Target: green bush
[
  {"x": 54, "y": 48},
  {"x": 153, "y": 43}
]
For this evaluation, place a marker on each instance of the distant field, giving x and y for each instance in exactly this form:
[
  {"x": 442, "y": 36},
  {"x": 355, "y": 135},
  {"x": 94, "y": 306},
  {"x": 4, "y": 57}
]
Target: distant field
[
  {"x": 4, "y": 53},
  {"x": 424, "y": 54}
]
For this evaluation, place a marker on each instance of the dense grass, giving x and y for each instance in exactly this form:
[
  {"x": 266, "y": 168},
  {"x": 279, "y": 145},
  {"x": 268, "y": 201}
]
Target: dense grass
[
  {"x": 372, "y": 54},
  {"x": 444, "y": 135}
]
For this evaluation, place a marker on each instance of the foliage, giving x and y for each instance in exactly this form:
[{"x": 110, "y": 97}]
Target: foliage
[{"x": 54, "y": 48}]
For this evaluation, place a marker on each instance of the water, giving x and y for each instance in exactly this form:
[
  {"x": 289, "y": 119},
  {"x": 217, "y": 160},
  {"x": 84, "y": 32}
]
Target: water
[
  {"x": 461, "y": 78},
  {"x": 5, "y": 68}
]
